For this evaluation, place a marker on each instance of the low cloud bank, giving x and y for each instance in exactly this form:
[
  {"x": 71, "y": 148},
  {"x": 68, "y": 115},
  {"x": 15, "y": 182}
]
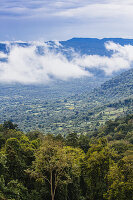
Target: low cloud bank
[
  {"x": 25, "y": 65},
  {"x": 122, "y": 58}
]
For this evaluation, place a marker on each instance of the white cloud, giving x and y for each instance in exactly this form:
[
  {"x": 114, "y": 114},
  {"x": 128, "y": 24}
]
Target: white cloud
[
  {"x": 25, "y": 65},
  {"x": 98, "y": 10},
  {"x": 3, "y": 55},
  {"x": 121, "y": 58}
]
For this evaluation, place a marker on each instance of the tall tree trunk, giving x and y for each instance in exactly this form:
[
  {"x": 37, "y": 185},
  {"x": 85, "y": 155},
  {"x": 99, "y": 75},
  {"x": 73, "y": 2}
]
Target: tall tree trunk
[{"x": 51, "y": 183}]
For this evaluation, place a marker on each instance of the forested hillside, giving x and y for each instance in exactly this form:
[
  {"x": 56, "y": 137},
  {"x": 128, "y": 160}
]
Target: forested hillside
[
  {"x": 117, "y": 88},
  {"x": 82, "y": 167}
]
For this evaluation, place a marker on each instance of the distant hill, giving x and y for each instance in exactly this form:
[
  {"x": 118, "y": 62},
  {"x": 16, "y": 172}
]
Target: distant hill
[{"x": 93, "y": 46}]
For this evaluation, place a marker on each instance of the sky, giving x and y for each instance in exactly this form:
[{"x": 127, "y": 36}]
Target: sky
[{"x": 44, "y": 20}]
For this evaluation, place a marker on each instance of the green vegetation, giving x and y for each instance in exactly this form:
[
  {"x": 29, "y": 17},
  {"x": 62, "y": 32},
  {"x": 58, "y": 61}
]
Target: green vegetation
[{"x": 82, "y": 167}]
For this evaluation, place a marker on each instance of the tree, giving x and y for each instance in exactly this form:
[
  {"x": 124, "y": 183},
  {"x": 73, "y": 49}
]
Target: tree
[
  {"x": 9, "y": 125},
  {"x": 56, "y": 163},
  {"x": 84, "y": 142},
  {"x": 20, "y": 154},
  {"x": 72, "y": 139},
  {"x": 14, "y": 156},
  {"x": 13, "y": 190},
  {"x": 33, "y": 135},
  {"x": 98, "y": 161},
  {"x": 3, "y": 161},
  {"x": 120, "y": 180}
]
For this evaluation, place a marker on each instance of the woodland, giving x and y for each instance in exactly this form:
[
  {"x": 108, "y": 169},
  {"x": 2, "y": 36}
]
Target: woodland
[{"x": 41, "y": 166}]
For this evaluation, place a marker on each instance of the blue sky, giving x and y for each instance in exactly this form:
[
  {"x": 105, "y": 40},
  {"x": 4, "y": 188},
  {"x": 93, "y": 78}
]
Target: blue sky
[{"x": 63, "y": 19}]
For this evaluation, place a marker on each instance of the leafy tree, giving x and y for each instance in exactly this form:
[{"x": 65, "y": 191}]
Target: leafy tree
[
  {"x": 121, "y": 146},
  {"x": 15, "y": 162},
  {"x": 72, "y": 139},
  {"x": 59, "y": 137},
  {"x": 10, "y": 125},
  {"x": 83, "y": 142},
  {"x": 3, "y": 161},
  {"x": 13, "y": 190},
  {"x": 2, "y": 140},
  {"x": 120, "y": 180},
  {"x": 11, "y": 133},
  {"x": 56, "y": 164},
  {"x": 27, "y": 150},
  {"x": 98, "y": 161},
  {"x": 33, "y": 135}
]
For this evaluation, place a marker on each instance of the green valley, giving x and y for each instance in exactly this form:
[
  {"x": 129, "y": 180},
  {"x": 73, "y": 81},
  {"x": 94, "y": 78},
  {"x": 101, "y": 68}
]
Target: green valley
[{"x": 53, "y": 109}]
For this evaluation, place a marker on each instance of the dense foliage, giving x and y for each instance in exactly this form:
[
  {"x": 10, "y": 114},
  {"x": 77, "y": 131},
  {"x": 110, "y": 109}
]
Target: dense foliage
[{"x": 76, "y": 167}]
